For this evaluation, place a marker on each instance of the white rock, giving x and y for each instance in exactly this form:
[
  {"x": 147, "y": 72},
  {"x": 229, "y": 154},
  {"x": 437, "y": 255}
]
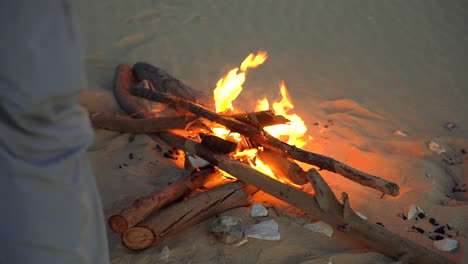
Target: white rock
[
  {"x": 413, "y": 211},
  {"x": 164, "y": 254},
  {"x": 267, "y": 230},
  {"x": 361, "y": 215},
  {"x": 446, "y": 244},
  {"x": 258, "y": 210},
  {"x": 435, "y": 147},
  {"x": 197, "y": 162},
  {"x": 320, "y": 227},
  {"x": 400, "y": 133}
]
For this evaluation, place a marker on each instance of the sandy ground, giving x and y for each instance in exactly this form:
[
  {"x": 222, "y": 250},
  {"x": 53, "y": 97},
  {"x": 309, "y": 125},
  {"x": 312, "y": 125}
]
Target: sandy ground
[{"x": 373, "y": 68}]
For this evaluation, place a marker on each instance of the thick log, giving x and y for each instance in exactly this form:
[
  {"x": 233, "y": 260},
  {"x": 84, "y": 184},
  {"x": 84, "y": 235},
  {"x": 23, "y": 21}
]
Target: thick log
[
  {"x": 148, "y": 204},
  {"x": 125, "y": 124},
  {"x": 265, "y": 139},
  {"x": 281, "y": 165},
  {"x": 187, "y": 213},
  {"x": 122, "y": 82},
  {"x": 164, "y": 82},
  {"x": 323, "y": 205},
  {"x": 260, "y": 119},
  {"x": 217, "y": 144}
]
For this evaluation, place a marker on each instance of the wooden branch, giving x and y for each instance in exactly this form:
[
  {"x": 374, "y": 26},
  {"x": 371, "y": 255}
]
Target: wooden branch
[
  {"x": 123, "y": 81},
  {"x": 187, "y": 213},
  {"x": 265, "y": 139},
  {"x": 281, "y": 165},
  {"x": 217, "y": 144},
  {"x": 113, "y": 122},
  {"x": 164, "y": 82},
  {"x": 323, "y": 204},
  {"x": 125, "y": 124},
  {"x": 260, "y": 119},
  {"x": 146, "y": 205}
]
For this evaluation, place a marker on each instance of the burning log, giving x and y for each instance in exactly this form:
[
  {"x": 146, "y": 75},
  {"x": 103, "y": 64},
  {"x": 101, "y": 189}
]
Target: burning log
[
  {"x": 144, "y": 206},
  {"x": 123, "y": 80},
  {"x": 218, "y": 145},
  {"x": 281, "y": 165},
  {"x": 260, "y": 119},
  {"x": 265, "y": 139},
  {"x": 323, "y": 204},
  {"x": 124, "y": 124},
  {"x": 187, "y": 213}
]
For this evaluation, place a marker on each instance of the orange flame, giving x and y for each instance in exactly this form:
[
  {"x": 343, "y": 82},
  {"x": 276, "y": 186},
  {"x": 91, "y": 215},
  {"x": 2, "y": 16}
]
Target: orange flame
[
  {"x": 226, "y": 91},
  {"x": 228, "y": 88},
  {"x": 295, "y": 130}
]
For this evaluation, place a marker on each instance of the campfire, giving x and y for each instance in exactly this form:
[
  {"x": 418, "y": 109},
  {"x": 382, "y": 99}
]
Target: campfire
[{"x": 243, "y": 152}]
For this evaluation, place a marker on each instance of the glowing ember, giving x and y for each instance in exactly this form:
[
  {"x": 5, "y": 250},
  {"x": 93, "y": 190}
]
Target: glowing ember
[
  {"x": 295, "y": 130},
  {"x": 228, "y": 88}
]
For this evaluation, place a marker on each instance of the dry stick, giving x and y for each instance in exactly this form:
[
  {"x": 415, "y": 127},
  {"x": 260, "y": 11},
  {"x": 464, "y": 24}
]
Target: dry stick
[
  {"x": 110, "y": 121},
  {"x": 265, "y": 139},
  {"x": 164, "y": 82},
  {"x": 323, "y": 205},
  {"x": 146, "y": 205},
  {"x": 187, "y": 213},
  {"x": 281, "y": 165}
]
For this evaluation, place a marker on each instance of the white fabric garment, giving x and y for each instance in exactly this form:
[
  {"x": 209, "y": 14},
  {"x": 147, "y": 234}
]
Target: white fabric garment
[{"x": 50, "y": 210}]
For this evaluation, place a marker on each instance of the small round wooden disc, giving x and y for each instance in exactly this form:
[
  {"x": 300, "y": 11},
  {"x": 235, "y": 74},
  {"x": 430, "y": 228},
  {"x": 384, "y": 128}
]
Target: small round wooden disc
[{"x": 138, "y": 238}]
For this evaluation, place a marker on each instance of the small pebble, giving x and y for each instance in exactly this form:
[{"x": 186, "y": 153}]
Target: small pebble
[
  {"x": 419, "y": 230},
  {"x": 120, "y": 166},
  {"x": 170, "y": 152},
  {"x": 125, "y": 164},
  {"x": 440, "y": 230},
  {"x": 446, "y": 244},
  {"x": 414, "y": 211},
  {"x": 164, "y": 254},
  {"x": 433, "y": 222},
  {"x": 315, "y": 124},
  {"x": 131, "y": 138},
  {"x": 438, "y": 237},
  {"x": 267, "y": 230},
  {"x": 463, "y": 151},
  {"x": 450, "y": 126},
  {"x": 421, "y": 216},
  {"x": 158, "y": 148},
  {"x": 258, "y": 210},
  {"x": 380, "y": 224},
  {"x": 131, "y": 156}
]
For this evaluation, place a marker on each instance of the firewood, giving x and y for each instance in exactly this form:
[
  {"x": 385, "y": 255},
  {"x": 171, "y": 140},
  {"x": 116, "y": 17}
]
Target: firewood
[
  {"x": 260, "y": 119},
  {"x": 217, "y": 144},
  {"x": 187, "y": 213},
  {"x": 323, "y": 205},
  {"x": 148, "y": 204},
  {"x": 267, "y": 140},
  {"x": 123, "y": 80},
  {"x": 164, "y": 82},
  {"x": 125, "y": 124},
  {"x": 281, "y": 165},
  {"x": 385, "y": 241}
]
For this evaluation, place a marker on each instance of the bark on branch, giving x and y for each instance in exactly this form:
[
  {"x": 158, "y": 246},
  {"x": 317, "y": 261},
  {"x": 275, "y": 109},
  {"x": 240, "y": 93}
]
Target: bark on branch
[{"x": 265, "y": 139}]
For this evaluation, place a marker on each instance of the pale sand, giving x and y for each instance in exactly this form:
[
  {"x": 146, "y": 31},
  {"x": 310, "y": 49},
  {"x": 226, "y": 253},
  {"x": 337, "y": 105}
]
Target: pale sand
[{"x": 373, "y": 68}]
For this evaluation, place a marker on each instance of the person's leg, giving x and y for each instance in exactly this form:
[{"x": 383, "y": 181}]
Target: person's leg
[{"x": 50, "y": 208}]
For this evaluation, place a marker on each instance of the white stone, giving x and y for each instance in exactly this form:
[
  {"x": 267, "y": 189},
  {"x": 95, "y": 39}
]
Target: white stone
[
  {"x": 164, "y": 254},
  {"x": 266, "y": 230},
  {"x": 435, "y": 147},
  {"x": 413, "y": 211},
  {"x": 320, "y": 227},
  {"x": 400, "y": 133},
  {"x": 446, "y": 244},
  {"x": 197, "y": 162},
  {"x": 258, "y": 210}
]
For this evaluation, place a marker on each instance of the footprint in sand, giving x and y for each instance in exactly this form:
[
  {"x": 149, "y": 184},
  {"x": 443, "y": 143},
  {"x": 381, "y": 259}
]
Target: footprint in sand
[{"x": 348, "y": 106}]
